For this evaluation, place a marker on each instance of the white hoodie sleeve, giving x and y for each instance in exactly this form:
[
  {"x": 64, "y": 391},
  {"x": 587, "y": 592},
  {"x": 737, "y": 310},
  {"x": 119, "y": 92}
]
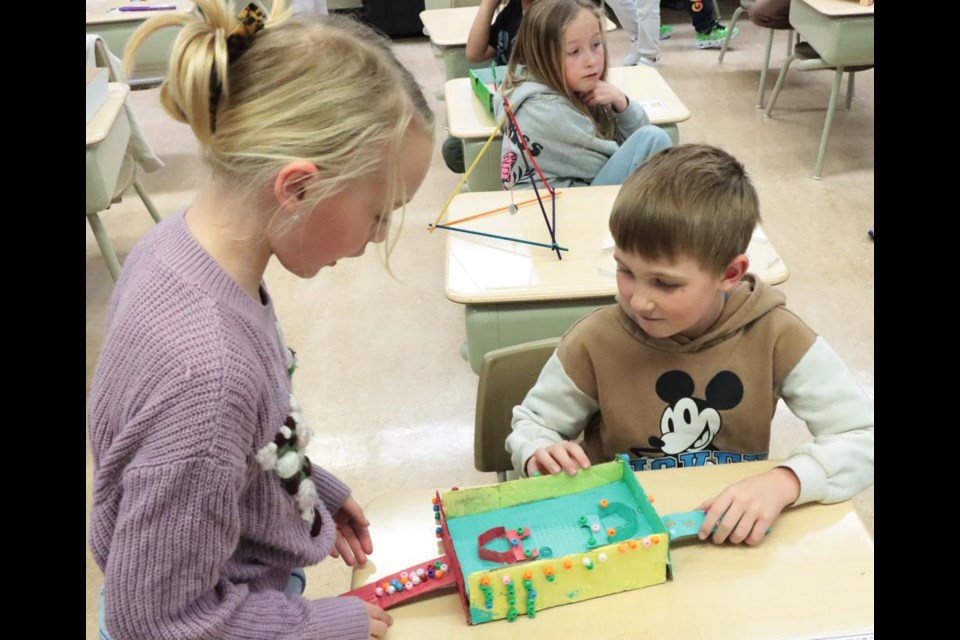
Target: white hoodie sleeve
[
  {"x": 822, "y": 391},
  {"x": 554, "y": 410}
]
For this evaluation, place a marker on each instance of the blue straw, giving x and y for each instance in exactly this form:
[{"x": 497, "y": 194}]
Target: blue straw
[{"x": 554, "y": 247}]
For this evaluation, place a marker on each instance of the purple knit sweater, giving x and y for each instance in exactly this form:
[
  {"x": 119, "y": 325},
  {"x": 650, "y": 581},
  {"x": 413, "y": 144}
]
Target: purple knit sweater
[{"x": 195, "y": 540}]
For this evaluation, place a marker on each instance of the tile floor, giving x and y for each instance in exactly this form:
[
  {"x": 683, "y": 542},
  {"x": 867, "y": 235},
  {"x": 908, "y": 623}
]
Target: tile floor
[{"x": 380, "y": 375}]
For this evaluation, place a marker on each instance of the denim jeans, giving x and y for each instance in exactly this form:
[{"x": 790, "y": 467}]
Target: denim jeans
[
  {"x": 295, "y": 587},
  {"x": 635, "y": 150}
]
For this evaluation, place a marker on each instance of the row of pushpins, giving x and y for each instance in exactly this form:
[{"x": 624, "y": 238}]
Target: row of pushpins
[{"x": 409, "y": 580}]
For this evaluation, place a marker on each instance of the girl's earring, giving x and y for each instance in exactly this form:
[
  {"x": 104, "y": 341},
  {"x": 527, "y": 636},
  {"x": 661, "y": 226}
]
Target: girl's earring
[{"x": 295, "y": 217}]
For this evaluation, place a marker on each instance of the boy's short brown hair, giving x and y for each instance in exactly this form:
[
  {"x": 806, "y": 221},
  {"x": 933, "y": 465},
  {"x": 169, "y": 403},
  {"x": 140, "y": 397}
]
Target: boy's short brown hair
[{"x": 693, "y": 200}]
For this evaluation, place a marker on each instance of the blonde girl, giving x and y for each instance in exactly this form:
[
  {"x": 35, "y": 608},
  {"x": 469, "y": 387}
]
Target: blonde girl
[{"x": 205, "y": 505}]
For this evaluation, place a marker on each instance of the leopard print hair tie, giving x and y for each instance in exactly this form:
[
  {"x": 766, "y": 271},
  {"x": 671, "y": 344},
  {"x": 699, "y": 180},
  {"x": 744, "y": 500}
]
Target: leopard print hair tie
[{"x": 251, "y": 20}]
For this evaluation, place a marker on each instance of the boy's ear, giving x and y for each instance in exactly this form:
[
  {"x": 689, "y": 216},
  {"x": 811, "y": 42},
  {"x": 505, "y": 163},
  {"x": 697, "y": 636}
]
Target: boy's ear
[
  {"x": 290, "y": 185},
  {"x": 734, "y": 271}
]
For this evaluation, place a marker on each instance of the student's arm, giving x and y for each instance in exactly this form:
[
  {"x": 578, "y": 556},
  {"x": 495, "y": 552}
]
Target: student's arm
[
  {"x": 178, "y": 525},
  {"x": 632, "y": 118},
  {"x": 822, "y": 391},
  {"x": 553, "y": 414},
  {"x": 478, "y": 40}
]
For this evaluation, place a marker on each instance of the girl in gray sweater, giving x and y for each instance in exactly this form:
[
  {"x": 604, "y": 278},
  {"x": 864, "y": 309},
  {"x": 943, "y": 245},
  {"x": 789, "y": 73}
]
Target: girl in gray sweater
[{"x": 580, "y": 129}]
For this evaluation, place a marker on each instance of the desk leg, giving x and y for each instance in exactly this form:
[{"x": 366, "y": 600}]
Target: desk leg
[
  {"x": 837, "y": 77},
  {"x": 763, "y": 69},
  {"x": 106, "y": 249}
]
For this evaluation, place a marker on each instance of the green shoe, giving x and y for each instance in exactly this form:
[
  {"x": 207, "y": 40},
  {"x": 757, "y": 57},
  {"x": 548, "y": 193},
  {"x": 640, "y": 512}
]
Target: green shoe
[
  {"x": 714, "y": 39},
  {"x": 665, "y": 31}
]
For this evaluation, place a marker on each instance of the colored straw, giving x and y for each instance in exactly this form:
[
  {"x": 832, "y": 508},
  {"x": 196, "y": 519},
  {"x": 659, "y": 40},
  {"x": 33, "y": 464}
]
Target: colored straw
[
  {"x": 466, "y": 175},
  {"x": 508, "y": 239}
]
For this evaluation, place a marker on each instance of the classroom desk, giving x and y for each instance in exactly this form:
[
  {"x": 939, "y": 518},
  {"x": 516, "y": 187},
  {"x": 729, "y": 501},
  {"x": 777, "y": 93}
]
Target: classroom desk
[
  {"x": 468, "y": 120},
  {"x": 448, "y": 30},
  {"x": 116, "y": 27},
  {"x": 515, "y": 293},
  {"x": 811, "y": 578},
  {"x": 840, "y": 30}
]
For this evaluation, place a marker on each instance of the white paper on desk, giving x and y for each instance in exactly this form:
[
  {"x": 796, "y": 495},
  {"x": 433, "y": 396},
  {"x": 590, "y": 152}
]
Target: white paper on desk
[{"x": 652, "y": 106}]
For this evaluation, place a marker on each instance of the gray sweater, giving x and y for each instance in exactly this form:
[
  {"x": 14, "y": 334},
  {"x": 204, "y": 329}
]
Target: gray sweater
[
  {"x": 561, "y": 138},
  {"x": 195, "y": 540}
]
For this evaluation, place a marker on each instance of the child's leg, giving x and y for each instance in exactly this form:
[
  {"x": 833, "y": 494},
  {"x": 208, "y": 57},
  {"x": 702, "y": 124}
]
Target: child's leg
[
  {"x": 452, "y": 151},
  {"x": 701, "y": 14},
  {"x": 710, "y": 33},
  {"x": 635, "y": 150},
  {"x": 641, "y": 20},
  {"x": 297, "y": 583},
  {"x": 104, "y": 635},
  {"x": 648, "y": 29}
]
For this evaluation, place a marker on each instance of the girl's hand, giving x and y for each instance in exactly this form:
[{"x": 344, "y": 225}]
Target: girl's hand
[
  {"x": 353, "y": 535},
  {"x": 563, "y": 456},
  {"x": 744, "y": 511},
  {"x": 380, "y": 621},
  {"x": 605, "y": 93}
]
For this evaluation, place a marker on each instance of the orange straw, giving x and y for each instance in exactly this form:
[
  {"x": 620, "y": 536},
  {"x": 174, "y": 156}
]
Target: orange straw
[{"x": 497, "y": 210}]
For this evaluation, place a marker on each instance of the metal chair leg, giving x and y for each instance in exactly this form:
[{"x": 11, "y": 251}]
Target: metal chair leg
[
  {"x": 763, "y": 70},
  {"x": 147, "y": 202},
  {"x": 106, "y": 249},
  {"x": 726, "y": 41},
  {"x": 850, "y": 89},
  {"x": 818, "y": 168},
  {"x": 776, "y": 87}
]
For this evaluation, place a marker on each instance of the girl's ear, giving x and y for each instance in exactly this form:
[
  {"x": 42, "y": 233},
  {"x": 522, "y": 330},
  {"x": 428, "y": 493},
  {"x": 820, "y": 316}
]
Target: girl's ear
[
  {"x": 733, "y": 272},
  {"x": 290, "y": 185}
]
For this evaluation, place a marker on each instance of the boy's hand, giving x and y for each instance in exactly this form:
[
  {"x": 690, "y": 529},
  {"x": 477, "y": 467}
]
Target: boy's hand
[
  {"x": 380, "y": 621},
  {"x": 353, "y": 534},
  {"x": 563, "y": 456},
  {"x": 605, "y": 93},
  {"x": 744, "y": 511}
]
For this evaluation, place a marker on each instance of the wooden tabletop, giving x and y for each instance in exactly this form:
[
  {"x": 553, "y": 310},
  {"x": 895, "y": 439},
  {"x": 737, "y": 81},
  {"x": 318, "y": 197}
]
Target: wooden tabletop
[
  {"x": 467, "y": 119},
  {"x": 450, "y": 27},
  {"x": 98, "y": 11},
  {"x": 486, "y": 270},
  {"x": 812, "y": 577},
  {"x": 101, "y": 123},
  {"x": 840, "y": 7}
]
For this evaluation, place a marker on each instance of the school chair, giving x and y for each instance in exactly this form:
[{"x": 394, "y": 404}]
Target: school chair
[
  {"x": 810, "y": 60},
  {"x": 506, "y": 376},
  {"x": 745, "y": 6},
  {"x": 111, "y": 162},
  {"x": 100, "y": 198}
]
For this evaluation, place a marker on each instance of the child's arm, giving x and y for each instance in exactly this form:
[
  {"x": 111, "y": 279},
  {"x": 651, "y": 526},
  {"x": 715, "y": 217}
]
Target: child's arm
[
  {"x": 553, "y": 414},
  {"x": 630, "y": 115},
  {"x": 478, "y": 40},
  {"x": 822, "y": 391}
]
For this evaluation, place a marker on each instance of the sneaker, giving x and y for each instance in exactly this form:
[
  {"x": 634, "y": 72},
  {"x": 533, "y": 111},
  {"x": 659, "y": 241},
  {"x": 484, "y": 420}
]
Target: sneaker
[
  {"x": 665, "y": 31},
  {"x": 714, "y": 39},
  {"x": 634, "y": 58},
  {"x": 631, "y": 59}
]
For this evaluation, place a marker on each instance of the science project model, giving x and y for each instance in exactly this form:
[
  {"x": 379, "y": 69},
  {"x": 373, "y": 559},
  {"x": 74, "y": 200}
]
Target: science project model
[{"x": 518, "y": 547}]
